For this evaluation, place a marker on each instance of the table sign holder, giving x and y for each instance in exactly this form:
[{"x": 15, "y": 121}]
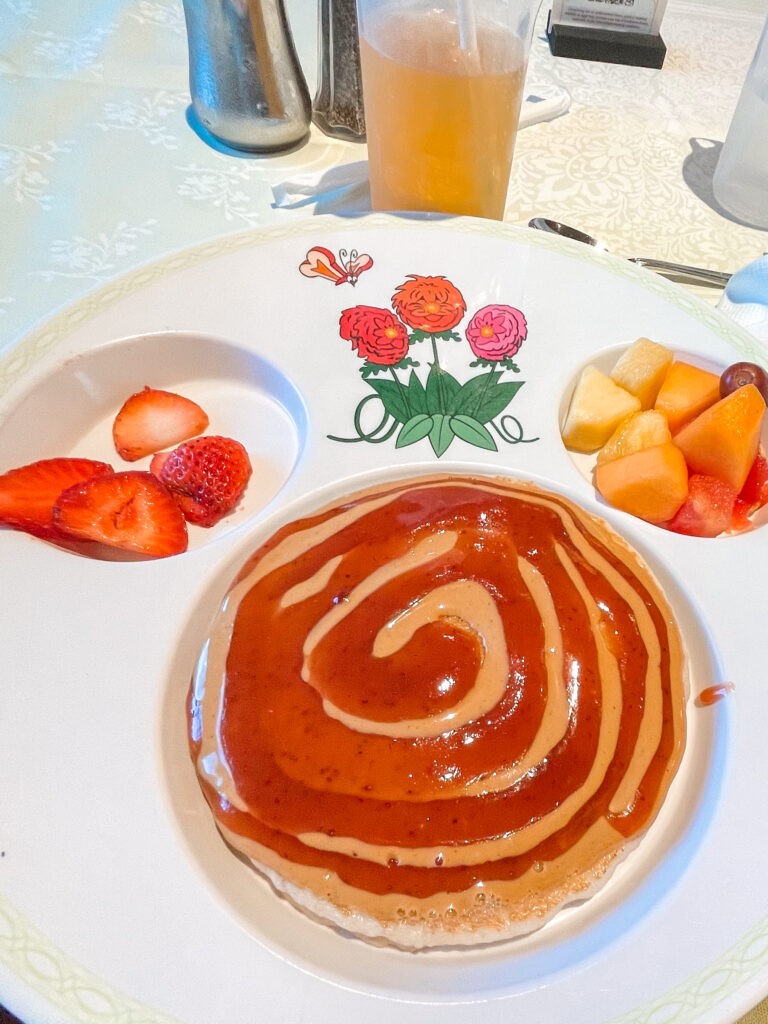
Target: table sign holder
[{"x": 612, "y": 31}]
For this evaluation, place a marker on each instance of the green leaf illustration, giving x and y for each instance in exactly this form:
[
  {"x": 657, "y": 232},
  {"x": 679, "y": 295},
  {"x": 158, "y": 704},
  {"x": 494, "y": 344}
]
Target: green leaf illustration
[
  {"x": 473, "y": 390},
  {"x": 498, "y": 400},
  {"x": 417, "y": 396},
  {"x": 418, "y": 335},
  {"x": 473, "y": 432},
  {"x": 414, "y": 430},
  {"x": 442, "y": 391},
  {"x": 405, "y": 362},
  {"x": 485, "y": 396},
  {"x": 371, "y": 369},
  {"x": 394, "y": 398},
  {"x": 441, "y": 434}
]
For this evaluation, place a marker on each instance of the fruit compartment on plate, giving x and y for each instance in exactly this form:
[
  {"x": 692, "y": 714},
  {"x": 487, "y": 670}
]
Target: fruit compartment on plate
[
  {"x": 671, "y": 438},
  {"x": 70, "y": 410}
]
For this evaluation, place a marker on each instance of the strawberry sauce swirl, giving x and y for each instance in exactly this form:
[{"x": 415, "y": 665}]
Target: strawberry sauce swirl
[{"x": 461, "y": 695}]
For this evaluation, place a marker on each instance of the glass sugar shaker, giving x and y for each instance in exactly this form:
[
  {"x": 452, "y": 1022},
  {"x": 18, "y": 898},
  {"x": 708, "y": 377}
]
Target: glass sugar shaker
[
  {"x": 247, "y": 86},
  {"x": 338, "y": 106}
]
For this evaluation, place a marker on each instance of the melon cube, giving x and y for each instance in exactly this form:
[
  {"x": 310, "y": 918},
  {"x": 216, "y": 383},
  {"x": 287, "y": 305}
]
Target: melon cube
[
  {"x": 640, "y": 430},
  {"x": 641, "y": 370},
  {"x": 687, "y": 390},
  {"x": 724, "y": 439},
  {"x": 651, "y": 484},
  {"x": 597, "y": 407}
]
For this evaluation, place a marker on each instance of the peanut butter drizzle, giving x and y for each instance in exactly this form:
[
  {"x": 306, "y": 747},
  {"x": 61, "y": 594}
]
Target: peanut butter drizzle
[
  {"x": 498, "y": 905},
  {"x": 531, "y": 835},
  {"x": 211, "y": 763},
  {"x": 469, "y": 604},
  {"x": 314, "y": 585}
]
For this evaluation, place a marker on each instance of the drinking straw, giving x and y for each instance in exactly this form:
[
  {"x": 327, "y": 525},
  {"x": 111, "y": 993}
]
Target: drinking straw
[{"x": 465, "y": 17}]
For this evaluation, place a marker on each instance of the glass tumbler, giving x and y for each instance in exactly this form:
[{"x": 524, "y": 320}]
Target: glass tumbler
[{"x": 443, "y": 86}]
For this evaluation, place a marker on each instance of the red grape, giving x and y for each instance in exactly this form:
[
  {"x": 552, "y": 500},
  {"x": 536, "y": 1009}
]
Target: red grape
[{"x": 739, "y": 374}]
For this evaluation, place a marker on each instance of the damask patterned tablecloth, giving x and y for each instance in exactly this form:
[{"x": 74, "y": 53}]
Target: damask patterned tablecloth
[{"x": 101, "y": 172}]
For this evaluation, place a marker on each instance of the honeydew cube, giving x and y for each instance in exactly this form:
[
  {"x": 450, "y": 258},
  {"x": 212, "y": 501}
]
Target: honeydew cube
[
  {"x": 642, "y": 369},
  {"x": 597, "y": 407},
  {"x": 640, "y": 430}
]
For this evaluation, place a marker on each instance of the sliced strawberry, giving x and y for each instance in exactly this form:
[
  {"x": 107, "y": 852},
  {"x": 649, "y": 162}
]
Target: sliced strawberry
[
  {"x": 151, "y": 420},
  {"x": 207, "y": 476},
  {"x": 131, "y": 510},
  {"x": 28, "y": 494},
  {"x": 708, "y": 509}
]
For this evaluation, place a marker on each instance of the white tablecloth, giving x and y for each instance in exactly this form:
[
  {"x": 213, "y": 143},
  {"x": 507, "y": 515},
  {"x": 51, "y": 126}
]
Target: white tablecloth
[{"x": 100, "y": 171}]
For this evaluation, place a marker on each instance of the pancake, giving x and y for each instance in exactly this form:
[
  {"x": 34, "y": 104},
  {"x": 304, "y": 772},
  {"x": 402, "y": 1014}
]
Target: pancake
[{"x": 441, "y": 710}]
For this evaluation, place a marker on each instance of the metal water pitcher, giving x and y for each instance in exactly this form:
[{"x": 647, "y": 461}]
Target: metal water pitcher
[{"x": 247, "y": 86}]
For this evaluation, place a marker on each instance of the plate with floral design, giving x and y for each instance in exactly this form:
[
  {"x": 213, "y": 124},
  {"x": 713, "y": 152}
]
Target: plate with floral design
[{"x": 344, "y": 353}]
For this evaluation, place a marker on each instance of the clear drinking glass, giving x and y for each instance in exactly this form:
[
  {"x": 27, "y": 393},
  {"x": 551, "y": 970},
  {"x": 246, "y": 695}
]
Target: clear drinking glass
[
  {"x": 443, "y": 85},
  {"x": 740, "y": 182}
]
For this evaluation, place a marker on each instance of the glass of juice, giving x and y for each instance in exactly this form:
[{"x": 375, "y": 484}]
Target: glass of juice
[{"x": 442, "y": 85}]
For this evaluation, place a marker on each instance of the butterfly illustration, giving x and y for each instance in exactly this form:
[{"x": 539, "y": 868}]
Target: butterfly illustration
[{"x": 321, "y": 262}]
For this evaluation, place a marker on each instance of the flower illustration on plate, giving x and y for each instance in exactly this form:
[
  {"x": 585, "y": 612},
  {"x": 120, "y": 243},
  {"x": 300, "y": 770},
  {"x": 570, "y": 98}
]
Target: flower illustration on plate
[
  {"x": 376, "y": 334},
  {"x": 430, "y": 305},
  {"x": 434, "y": 404},
  {"x": 495, "y": 333}
]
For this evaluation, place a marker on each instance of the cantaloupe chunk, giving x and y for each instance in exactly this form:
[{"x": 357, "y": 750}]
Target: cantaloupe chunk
[
  {"x": 642, "y": 369},
  {"x": 597, "y": 407},
  {"x": 640, "y": 430},
  {"x": 686, "y": 391},
  {"x": 723, "y": 440},
  {"x": 651, "y": 483}
]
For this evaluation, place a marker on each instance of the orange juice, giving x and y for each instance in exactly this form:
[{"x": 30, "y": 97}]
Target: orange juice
[{"x": 441, "y": 120}]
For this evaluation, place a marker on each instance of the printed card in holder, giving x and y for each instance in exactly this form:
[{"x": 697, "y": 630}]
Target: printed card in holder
[{"x": 614, "y": 31}]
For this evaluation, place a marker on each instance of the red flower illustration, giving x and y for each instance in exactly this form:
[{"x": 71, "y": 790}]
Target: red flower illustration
[
  {"x": 376, "y": 334},
  {"x": 430, "y": 304},
  {"x": 496, "y": 332}
]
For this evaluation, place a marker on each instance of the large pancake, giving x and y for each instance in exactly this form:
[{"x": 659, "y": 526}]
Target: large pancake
[{"x": 441, "y": 710}]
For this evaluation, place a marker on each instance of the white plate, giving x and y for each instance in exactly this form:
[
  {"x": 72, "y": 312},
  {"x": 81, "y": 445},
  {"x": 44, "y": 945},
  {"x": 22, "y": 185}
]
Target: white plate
[{"x": 118, "y": 902}]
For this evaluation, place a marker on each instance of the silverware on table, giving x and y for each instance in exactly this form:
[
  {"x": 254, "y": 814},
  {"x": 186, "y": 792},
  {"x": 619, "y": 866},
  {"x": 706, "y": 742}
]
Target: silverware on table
[{"x": 678, "y": 270}]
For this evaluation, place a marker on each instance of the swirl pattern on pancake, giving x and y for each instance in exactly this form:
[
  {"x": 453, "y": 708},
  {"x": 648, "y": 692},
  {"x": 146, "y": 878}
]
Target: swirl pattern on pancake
[{"x": 439, "y": 711}]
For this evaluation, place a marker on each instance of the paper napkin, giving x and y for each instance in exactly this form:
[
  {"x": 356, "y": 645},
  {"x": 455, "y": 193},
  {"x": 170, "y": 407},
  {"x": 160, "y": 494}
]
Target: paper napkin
[
  {"x": 344, "y": 189},
  {"x": 745, "y": 298}
]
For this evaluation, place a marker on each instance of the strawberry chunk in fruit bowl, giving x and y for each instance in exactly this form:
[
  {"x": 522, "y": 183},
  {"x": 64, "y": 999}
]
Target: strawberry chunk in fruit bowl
[
  {"x": 28, "y": 493},
  {"x": 207, "y": 476},
  {"x": 708, "y": 509}
]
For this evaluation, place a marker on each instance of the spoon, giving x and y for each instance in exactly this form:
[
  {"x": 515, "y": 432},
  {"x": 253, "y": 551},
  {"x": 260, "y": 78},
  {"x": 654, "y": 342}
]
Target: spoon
[{"x": 698, "y": 274}]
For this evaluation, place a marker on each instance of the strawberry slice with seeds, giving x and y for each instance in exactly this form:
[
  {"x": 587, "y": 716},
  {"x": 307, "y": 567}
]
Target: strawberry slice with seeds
[
  {"x": 708, "y": 509},
  {"x": 130, "y": 510},
  {"x": 28, "y": 494},
  {"x": 152, "y": 420},
  {"x": 207, "y": 476}
]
